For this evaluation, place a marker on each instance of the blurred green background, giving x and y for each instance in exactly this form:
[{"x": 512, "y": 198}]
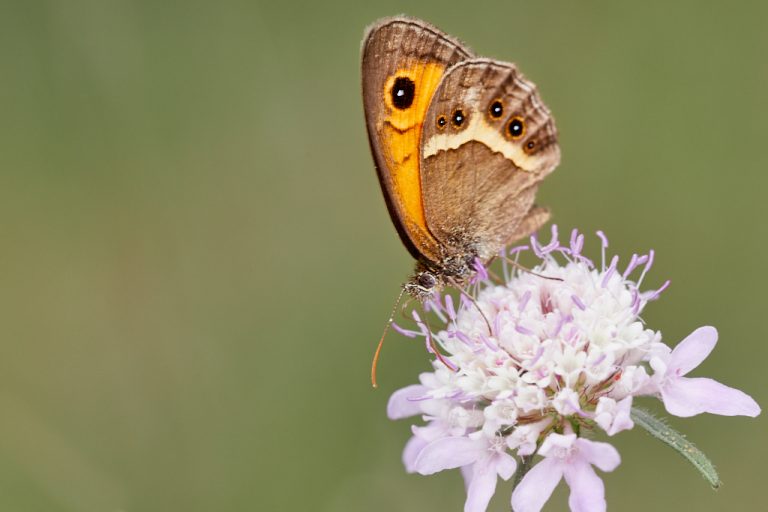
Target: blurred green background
[{"x": 196, "y": 260}]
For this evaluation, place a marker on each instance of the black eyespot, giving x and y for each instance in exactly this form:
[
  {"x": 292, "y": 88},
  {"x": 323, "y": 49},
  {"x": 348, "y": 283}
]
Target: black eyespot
[
  {"x": 458, "y": 118},
  {"x": 496, "y": 109},
  {"x": 530, "y": 144},
  {"x": 441, "y": 122},
  {"x": 516, "y": 128},
  {"x": 403, "y": 91}
]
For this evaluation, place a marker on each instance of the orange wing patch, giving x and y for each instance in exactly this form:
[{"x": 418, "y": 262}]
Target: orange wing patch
[{"x": 401, "y": 135}]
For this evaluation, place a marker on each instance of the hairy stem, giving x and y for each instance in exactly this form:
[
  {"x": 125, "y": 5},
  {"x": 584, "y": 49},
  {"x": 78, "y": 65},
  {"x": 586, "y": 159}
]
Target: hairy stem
[{"x": 659, "y": 429}]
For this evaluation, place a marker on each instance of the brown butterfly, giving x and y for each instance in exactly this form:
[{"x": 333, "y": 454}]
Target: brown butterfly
[{"x": 460, "y": 145}]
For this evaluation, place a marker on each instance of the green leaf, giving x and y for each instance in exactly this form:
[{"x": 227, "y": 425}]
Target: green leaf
[{"x": 659, "y": 429}]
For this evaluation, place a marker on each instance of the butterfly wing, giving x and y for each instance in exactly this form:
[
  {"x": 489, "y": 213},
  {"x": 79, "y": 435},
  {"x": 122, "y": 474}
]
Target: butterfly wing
[
  {"x": 487, "y": 142},
  {"x": 403, "y": 61}
]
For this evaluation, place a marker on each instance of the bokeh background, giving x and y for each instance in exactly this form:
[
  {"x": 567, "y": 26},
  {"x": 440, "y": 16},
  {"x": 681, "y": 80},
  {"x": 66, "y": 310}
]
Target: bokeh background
[{"x": 196, "y": 260}]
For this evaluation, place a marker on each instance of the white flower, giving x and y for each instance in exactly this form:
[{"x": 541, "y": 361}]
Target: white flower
[
  {"x": 530, "y": 399},
  {"x": 566, "y": 402},
  {"x": 630, "y": 381},
  {"x": 569, "y": 364},
  {"x": 612, "y": 416},
  {"x": 500, "y": 413},
  {"x": 565, "y": 351},
  {"x": 524, "y": 437}
]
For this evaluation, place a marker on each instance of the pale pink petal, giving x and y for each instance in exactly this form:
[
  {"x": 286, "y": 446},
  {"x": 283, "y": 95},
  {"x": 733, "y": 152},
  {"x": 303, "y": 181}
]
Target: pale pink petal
[
  {"x": 602, "y": 455},
  {"x": 412, "y": 449},
  {"x": 482, "y": 486},
  {"x": 448, "y": 453},
  {"x": 429, "y": 379},
  {"x": 658, "y": 365},
  {"x": 433, "y": 430},
  {"x": 537, "y": 486},
  {"x": 634, "y": 380},
  {"x": 689, "y": 353},
  {"x": 555, "y": 443},
  {"x": 433, "y": 407},
  {"x": 399, "y": 405},
  {"x": 524, "y": 437},
  {"x": 686, "y": 397},
  {"x": 466, "y": 472},
  {"x": 604, "y": 413},
  {"x": 587, "y": 490},
  {"x": 505, "y": 465},
  {"x": 622, "y": 421},
  {"x": 612, "y": 416}
]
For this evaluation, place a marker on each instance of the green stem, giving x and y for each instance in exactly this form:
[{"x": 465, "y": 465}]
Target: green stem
[{"x": 659, "y": 429}]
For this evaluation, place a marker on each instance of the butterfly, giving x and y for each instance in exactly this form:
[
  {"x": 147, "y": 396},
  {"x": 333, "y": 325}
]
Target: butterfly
[{"x": 460, "y": 144}]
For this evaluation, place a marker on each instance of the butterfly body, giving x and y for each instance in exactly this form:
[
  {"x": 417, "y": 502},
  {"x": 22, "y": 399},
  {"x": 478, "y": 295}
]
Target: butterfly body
[{"x": 460, "y": 145}]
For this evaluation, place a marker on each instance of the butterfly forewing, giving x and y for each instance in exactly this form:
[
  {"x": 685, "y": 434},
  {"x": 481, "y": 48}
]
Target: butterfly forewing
[
  {"x": 487, "y": 142},
  {"x": 403, "y": 61}
]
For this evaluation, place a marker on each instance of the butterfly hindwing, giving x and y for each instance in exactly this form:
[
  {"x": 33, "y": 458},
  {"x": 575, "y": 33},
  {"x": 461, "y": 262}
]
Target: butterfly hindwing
[
  {"x": 403, "y": 61},
  {"x": 487, "y": 142}
]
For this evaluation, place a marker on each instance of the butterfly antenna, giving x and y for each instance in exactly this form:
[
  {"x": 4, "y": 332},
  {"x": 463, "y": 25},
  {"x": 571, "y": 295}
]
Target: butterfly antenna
[
  {"x": 473, "y": 301},
  {"x": 526, "y": 269},
  {"x": 376, "y": 355}
]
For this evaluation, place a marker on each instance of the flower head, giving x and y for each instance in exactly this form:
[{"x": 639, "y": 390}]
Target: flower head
[{"x": 565, "y": 354}]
